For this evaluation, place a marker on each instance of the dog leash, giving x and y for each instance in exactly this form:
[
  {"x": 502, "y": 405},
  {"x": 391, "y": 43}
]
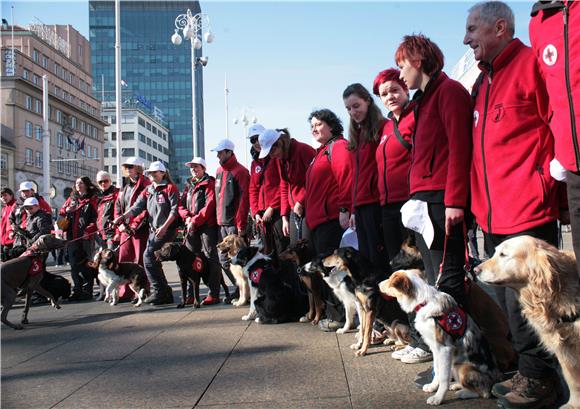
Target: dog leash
[{"x": 466, "y": 267}]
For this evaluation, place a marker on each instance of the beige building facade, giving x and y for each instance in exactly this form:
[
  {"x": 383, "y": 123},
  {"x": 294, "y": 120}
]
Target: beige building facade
[{"x": 75, "y": 127}]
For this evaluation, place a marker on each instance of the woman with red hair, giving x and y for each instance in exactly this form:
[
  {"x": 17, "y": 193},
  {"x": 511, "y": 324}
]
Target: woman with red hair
[
  {"x": 441, "y": 158},
  {"x": 393, "y": 155}
]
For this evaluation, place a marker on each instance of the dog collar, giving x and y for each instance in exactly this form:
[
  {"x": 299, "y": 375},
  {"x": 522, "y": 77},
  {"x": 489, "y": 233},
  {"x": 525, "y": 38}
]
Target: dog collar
[{"x": 419, "y": 306}]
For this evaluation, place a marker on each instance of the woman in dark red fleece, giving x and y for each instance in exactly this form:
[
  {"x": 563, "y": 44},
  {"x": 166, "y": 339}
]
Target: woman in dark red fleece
[
  {"x": 441, "y": 157},
  {"x": 393, "y": 155},
  {"x": 365, "y": 130}
]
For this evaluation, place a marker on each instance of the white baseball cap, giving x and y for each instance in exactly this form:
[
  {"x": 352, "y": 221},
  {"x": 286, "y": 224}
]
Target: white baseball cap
[
  {"x": 31, "y": 201},
  {"x": 26, "y": 186},
  {"x": 133, "y": 160},
  {"x": 415, "y": 216},
  {"x": 196, "y": 161},
  {"x": 223, "y": 145},
  {"x": 156, "y": 166},
  {"x": 255, "y": 130},
  {"x": 267, "y": 139}
]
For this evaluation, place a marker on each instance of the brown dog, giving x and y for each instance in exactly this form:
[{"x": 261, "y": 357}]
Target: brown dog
[
  {"x": 547, "y": 283},
  {"x": 300, "y": 253},
  {"x": 229, "y": 247},
  {"x": 26, "y": 272}
]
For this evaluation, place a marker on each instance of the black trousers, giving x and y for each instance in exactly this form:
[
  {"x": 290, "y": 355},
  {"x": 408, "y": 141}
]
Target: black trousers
[
  {"x": 573, "y": 185},
  {"x": 271, "y": 235},
  {"x": 393, "y": 229},
  {"x": 534, "y": 360},
  {"x": 325, "y": 238},
  {"x": 298, "y": 228},
  {"x": 205, "y": 240},
  {"x": 370, "y": 235}
]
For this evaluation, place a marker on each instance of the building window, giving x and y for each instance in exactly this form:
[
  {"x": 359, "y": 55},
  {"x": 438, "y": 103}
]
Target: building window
[
  {"x": 25, "y": 74},
  {"x": 114, "y": 169},
  {"x": 154, "y": 130},
  {"x": 141, "y": 122},
  {"x": 75, "y": 169},
  {"x": 128, "y": 152},
  {"x": 44, "y": 61},
  {"x": 142, "y": 154},
  {"x": 149, "y": 143},
  {"x": 83, "y": 127},
  {"x": 36, "y": 79},
  {"x": 113, "y": 153},
  {"x": 4, "y": 161},
  {"x": 38, "y": 106},
  {"x": 38, "y": 133},
  {"x": 28, "y": 129},
  {"x": 73, "y": 122},
  {"x": 127, "y": 136},
  {"x": 59, "y": 139},
  {"x": 154, "y": 145},
  {"x": 113, "y": 136},
  {"x": 28, "y": 102},
  {"x": 148, "y": 126},
  {"x": 142, "y": 137},
  {"x": 58, "y": 116},
  {"x": 96, "y": 152},
  {"x": 105, "y": 153},
  {"x": 28, "y": 156},
  {"x": 149, "y": 157},
  {"x": 38, "y": 160},
  {"x": 60, "y": 166},
  {"x": 35, "y": 55}
]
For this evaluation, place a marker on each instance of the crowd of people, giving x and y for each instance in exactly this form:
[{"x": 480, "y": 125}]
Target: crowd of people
[{"x": 496, "y": 158}]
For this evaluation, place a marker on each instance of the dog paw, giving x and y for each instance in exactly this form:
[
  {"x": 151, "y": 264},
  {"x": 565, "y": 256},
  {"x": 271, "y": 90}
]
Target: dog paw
[
  {"x": 258, "y": 320},
  {"x": 361, "y": 352},
  {"x": 56, "y": 306},
  {"x": 17, "y": 326},
  {"x": 434, "y": 400},
  {"x": 24, "y": 321},
  {"x": 304, "y": 319},
  {"x": 196, "y": 304},
  {"x": 357, "y": 345},
  {"x": 246, "y": 317},
  {"x": 455, "y": 386},
  {"x": 342, "y": 330},
  {"x": 430, "y": 387}
]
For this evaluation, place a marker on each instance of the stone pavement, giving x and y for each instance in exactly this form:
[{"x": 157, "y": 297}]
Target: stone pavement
[{"x": 90, "y": 354}]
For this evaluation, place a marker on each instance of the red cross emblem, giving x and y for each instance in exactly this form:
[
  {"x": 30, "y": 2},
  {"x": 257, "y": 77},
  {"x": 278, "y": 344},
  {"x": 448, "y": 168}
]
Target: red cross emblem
[
  {"x": 256, "y": 275},
  {"x": 550, "y": 55}
]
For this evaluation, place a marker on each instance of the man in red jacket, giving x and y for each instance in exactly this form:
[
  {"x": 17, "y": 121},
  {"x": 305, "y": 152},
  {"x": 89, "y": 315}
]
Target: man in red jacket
[
  {"x": 232, "y": 182},
  {"x": 555, "y": 38},
  {"x": 512, "y": 191}
]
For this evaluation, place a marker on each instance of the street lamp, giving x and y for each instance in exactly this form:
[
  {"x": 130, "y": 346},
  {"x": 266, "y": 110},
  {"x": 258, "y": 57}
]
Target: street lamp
[
  {"x": 191, "y": 27},
  {"x": 245, "y": 120}
]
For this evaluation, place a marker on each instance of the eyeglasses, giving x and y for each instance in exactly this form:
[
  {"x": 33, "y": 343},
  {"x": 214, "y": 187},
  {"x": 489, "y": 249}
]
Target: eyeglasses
[
  {"x": 102, "y": 182},
  {"x": 129, "y": 166},
  {"x": 253, "y": 139}
]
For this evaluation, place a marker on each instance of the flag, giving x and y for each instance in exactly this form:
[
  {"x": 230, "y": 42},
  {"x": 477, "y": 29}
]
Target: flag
[{"x": 81, "y": 145}]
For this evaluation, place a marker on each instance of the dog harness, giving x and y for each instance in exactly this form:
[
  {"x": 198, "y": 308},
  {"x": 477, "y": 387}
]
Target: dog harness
[
  {"x": 36, "y": 266},
  {"x": 453, "y": 321},
  {"x": 198, "y": 264}
]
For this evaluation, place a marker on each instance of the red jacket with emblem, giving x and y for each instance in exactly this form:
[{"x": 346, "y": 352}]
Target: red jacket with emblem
[
  {"x": 18, "y": 215},
  {"x": 83, "y": 220},
  {"x": 106, "y": 212},
  {"x": 232, "y": 194},
  {"x": 393, "y": 157},
  {"x": 364, "y": 174},
  {"x": 293, "y": 175},
  {"x": 441, "y": 154},
  {"x": 555, "y": 39},
  {"x": 264, "y": 185},
  {"x": 511, "y": 186},
  {"x": 127, "y": 198},
  {"x": 198, "y": 202},
  {"x": 5, "y": 226},
  {"x": 328, "y": 182}
]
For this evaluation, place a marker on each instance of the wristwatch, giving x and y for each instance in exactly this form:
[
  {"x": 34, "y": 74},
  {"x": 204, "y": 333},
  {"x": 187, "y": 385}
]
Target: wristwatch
[{"x": 343, "y": 210}]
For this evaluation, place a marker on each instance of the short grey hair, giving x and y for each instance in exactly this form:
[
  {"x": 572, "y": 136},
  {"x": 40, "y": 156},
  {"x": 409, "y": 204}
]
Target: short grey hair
[
  {"x": 103, "y": 175},
  {"x": 491, "y": 11}
]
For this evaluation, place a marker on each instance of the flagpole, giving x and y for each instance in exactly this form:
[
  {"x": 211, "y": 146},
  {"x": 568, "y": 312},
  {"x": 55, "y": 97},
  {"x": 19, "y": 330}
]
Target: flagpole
[
  {"x": 45, "y": 139},
  {"x": 118, "y": 110}
]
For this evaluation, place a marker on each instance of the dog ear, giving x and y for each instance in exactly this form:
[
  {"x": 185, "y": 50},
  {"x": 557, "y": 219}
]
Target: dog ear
[
  {"x": 545, "y": 269},
  {"x": 402, "y": 283}
]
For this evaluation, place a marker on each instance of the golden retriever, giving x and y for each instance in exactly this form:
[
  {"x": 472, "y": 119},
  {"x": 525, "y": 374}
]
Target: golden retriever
[
  {"x": 230, "y": 246},
  {"x": 452, "y": 335},
  {"x": 547, "y": 283}
]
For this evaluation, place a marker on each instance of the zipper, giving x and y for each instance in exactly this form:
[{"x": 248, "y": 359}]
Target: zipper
[
  {"x": 385, "y": 172},
  {"x": 569, "y": 90},
  {"x": 483, "y": 152}
]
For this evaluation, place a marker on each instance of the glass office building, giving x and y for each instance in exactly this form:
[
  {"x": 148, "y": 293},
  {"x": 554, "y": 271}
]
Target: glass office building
[{"x": 156, "y": 72}]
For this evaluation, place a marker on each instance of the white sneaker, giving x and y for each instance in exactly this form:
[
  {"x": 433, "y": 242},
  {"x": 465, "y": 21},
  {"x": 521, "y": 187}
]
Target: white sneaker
[
  {"x": 402, "y": 352},
  {"x": 417, "y": 355}
]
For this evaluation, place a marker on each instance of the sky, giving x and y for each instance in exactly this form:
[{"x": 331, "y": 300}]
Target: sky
[{"x": 285, "y": 59}]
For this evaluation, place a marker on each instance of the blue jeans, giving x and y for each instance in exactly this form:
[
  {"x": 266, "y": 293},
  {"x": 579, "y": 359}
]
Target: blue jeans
[{"x": 153, "y": 268}]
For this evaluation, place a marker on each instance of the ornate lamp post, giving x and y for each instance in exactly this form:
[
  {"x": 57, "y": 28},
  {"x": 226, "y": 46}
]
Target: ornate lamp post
[
  {"x": 191, "y": 27},
  {"x": 245, "y": 120}
]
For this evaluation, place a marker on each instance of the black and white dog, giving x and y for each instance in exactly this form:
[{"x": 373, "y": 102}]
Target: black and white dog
[{"x": 278, "y": 297}]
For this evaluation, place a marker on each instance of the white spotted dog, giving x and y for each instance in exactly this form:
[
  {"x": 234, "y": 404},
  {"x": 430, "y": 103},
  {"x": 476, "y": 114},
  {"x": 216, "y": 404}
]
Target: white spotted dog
[
  {"x": 454, "y": 338},
  {"x": 113, "y": 274}
]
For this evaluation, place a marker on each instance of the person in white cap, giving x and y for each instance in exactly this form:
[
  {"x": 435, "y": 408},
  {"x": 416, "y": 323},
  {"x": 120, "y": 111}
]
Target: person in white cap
[
  {"x": 81, "y": 211},
  {"x": 197, "y": 208},
  {"x": 265, "y": 196},
  {"x": 38, "y": 222},
  {"x": 18, "y": 215},
  {"x": 133, "y": 247},
  {"x": 161, "y": 200},
  {"x": 293, "y": 160},
  {"x": 232, "y": 195}
]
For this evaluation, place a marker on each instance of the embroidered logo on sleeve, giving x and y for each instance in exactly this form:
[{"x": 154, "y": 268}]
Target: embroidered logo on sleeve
[{"x": 550, "y": 55}]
